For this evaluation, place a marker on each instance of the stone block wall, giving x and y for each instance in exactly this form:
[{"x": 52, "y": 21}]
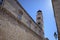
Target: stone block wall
[{"x": 10, "y": 29}]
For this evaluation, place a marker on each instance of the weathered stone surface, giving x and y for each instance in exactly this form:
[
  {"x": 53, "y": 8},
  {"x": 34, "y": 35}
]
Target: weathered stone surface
[
  {"x": 16, "y": 24},
  {"x": 56, "y": 6},
  {"x": 10, "y": 29}
]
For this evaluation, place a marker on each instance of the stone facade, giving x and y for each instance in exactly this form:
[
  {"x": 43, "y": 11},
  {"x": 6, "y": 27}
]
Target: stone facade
[
  {"x": 16, "y": 24},
  {"x": 56, "y": 7}
]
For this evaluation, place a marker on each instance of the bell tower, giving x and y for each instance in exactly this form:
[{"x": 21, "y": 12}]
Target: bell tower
[{"x": 39, "y": 19}]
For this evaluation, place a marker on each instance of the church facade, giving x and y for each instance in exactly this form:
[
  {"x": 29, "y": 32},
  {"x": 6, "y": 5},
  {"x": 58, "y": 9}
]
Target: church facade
[{"x": 17, "y": 24}]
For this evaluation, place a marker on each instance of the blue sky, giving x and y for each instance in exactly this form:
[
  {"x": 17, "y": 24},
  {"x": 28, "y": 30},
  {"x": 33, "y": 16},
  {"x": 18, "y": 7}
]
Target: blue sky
[{"x": 32, "y": 6}]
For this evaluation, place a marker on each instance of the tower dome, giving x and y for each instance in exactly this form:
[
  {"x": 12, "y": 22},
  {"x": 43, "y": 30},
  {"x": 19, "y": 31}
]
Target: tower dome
[{"x": 39, "y": 11}]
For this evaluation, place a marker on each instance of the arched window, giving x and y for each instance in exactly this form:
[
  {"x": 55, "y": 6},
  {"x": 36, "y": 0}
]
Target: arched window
[
  {"x": 20, "y": 14},
  {"x": 38, "y": 18},
  {"x": 1, "y": 1},
  {"x": 39, "y": 23}
]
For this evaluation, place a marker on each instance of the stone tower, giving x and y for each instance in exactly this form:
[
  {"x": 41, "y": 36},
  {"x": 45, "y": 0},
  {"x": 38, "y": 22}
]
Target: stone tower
[{"x": 39, "y": 19}]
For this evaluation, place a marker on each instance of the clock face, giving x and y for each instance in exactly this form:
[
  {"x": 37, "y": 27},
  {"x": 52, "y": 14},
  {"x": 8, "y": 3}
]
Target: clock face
[{"x": 1, "y": 1}]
